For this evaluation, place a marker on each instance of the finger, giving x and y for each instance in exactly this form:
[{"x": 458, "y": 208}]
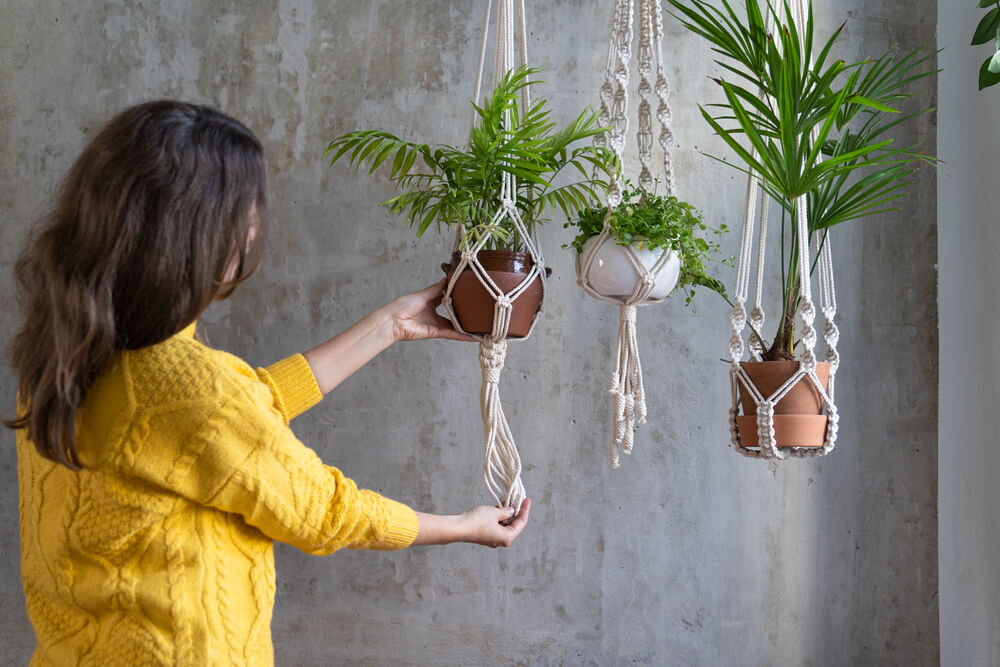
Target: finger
[
  {"x": 504, "y": 514},
  {"x": 434, "y": 288},
  {"x": 519, "y": 522},
  {"x": 447, "y": 330},
  {"x": 451, "y": 334},
  {"x": 432, "y": 292}
]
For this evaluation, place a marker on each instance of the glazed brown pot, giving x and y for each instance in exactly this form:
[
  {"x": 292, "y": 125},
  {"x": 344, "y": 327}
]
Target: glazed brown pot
[
  {"x": 474, "y": 305},
  {"x": 798, "y": 418}
]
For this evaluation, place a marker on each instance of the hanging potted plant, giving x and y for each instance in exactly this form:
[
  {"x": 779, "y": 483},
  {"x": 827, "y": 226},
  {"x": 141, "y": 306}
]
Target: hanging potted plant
[
  {"x": 463, "y": 188},
  {"x": 647, "y": 223},
  {"x": 816, "y": 135}
]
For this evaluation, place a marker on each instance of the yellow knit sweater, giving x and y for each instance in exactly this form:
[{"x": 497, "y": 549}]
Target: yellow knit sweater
[{"x": 160, "y": 550}]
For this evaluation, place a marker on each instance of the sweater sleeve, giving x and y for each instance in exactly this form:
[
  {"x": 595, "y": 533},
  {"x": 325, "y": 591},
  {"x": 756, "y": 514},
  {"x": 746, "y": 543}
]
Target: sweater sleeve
[
  {"x": 244, "y": 460},
  {"x": 292, "y": 384}
]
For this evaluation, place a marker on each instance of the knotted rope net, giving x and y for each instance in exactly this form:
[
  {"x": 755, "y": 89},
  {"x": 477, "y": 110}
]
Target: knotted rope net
[
  {"x": 626, "y": 387},
  {"x": 501, "y": 461},
  {"x": 739, "y": 379}
]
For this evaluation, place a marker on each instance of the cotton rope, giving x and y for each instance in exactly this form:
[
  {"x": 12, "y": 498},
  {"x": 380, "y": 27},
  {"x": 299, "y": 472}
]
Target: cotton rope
[
  {"x": 501, "y": 461},
  {"x": 739, "y": 379},
  {"x": 626, "y": 387}
]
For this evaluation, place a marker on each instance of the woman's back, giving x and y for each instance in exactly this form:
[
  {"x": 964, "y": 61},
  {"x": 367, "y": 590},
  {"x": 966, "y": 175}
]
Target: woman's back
[
  {"x": 135, "y": 559},
  {"x": 119, "y": 570}
]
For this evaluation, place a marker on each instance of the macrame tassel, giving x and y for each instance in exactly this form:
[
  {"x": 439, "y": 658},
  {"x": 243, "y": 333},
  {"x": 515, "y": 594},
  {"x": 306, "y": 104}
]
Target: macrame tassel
[
  {"x": 626, "y": 387},
  {"x": 501, "y": 462}
]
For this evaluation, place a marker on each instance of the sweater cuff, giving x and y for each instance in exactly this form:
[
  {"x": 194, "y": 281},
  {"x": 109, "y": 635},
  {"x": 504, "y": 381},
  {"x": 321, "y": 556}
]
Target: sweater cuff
[
  {"x": 401, "y": 527},
  {"x": 294, "y": 385}
]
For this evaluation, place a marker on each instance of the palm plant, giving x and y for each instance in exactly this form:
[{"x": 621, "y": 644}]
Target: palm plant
[
  {"x": 815, "y": 133},
  {"x": 464, "y": 186}
]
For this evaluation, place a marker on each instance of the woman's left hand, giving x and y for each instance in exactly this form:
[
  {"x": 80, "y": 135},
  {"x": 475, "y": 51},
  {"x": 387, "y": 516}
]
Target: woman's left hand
[{"x": 414, "y": 316}]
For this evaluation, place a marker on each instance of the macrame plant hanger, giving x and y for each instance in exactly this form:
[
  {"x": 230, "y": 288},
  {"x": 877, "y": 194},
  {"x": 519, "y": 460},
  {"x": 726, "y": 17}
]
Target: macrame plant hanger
[
  {"x": 501, "y": 461},
  {"x": 627, "y": 390},
  {"x": 739, "y": 380}
]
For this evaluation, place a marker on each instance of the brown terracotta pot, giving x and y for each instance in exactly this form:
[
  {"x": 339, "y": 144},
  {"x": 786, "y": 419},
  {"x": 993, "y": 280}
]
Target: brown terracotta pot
[
  {"x": 798, "y": 421},
  {"x": 474, "y": 304}
]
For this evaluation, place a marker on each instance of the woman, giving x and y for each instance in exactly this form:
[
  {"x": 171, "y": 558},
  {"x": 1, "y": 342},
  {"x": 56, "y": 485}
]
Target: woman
[{"x": 155, "y": 472}]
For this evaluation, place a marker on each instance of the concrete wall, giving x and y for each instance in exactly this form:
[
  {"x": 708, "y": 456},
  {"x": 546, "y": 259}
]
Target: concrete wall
[
  {"x": 968, "y": 461},
  {"x": 688, "y": 554}
]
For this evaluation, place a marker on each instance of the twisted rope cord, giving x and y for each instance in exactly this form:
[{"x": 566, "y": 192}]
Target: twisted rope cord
[
  {"x": 482, "y": 58},
  {"x": 664, "y": 115},
  {"x": 757, "y": 314},
  {"x": 620, "y": 21},
  {"x": 644, "y": 133}
]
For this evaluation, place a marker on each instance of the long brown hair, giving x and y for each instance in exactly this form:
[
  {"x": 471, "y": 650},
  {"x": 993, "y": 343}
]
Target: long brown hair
[{"x": 163, "y": 212}]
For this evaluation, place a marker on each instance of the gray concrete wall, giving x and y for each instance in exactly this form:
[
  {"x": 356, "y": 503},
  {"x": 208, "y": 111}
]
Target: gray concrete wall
[
  {"x": 688, "y": 554},
  {"x": 970, "y": 365}
]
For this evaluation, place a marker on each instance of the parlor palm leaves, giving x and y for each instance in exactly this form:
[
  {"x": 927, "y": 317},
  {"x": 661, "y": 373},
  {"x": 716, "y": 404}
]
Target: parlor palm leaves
[{"x": 463, "y": 186}]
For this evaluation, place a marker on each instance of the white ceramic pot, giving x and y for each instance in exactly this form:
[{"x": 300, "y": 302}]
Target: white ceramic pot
[{"x": 612, "y": 274}]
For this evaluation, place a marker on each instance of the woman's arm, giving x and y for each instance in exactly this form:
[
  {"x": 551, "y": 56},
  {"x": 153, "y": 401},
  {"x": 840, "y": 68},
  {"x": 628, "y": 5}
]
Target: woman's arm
[
  {"x": 483, "y": 525},
  {"x": 410, "y": 317}
]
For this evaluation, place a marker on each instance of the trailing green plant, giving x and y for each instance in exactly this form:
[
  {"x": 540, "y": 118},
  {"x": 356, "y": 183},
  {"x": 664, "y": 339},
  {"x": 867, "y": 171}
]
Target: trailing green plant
[
  {"x": 816, "y": 132},
  {"x": 658, "y": 221},
  {"x": 462, "y": 186},
  {"x": 988, "y": 30}
]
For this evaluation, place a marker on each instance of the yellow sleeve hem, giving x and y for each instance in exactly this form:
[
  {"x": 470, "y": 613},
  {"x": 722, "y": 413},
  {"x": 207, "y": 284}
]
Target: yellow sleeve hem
[
  {"x": 294, "y": 385},
  {"x": 401, "y": 527}
]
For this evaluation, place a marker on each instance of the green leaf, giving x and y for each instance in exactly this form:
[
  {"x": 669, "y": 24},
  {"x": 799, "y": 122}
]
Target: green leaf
[
  {"x": 874, "y": 104},
  {"x": 986, "y": 77},
  {"x": 987, "y": 28},
  {"x": 994, "y": 66},
  {"x": 986, "y": 3}
]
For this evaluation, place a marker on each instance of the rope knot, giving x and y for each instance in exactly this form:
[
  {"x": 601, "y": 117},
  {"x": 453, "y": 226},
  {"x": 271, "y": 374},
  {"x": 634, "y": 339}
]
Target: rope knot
[
  {"x": 807, "y": 311},
  {"x": 808, "y": 362},
  {"x": 468, "y": 256},
  {"x": 492, "y": 356},
  {"x": 504, "y": 302},
  {"x": 739, "y": 316},
  {"x": 628, "y": 314},
  {"x": 507, "y": 203}
]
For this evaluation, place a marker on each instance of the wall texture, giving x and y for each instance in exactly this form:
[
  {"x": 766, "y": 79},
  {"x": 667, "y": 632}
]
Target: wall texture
[
  {"x": 688, "y": 554},
  {"x": 970, "y": 363}
]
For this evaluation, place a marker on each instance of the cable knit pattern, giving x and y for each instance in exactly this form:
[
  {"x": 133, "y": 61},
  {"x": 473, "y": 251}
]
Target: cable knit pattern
[{"x": 159, "y": 551}]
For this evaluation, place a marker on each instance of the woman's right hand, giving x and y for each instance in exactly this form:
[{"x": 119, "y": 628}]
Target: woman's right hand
[
  {"x": 489, "y": 526},
  {"x": 414, "y": 316}
]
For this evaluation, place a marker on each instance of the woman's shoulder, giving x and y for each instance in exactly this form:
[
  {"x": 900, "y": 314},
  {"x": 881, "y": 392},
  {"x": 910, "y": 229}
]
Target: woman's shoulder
[
  {"x": 167, "y": 391},
  {"x": 181, "y": 370}
]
